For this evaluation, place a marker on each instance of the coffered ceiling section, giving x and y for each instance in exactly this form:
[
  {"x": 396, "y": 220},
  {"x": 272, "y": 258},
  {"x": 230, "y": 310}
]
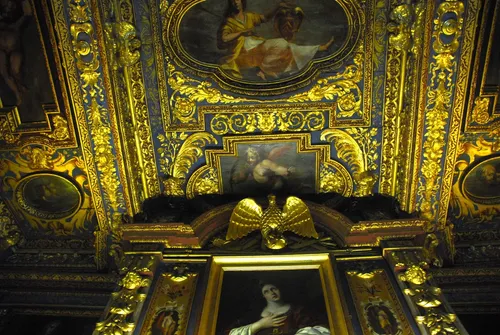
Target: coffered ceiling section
[{"x": 107, "y": 103}]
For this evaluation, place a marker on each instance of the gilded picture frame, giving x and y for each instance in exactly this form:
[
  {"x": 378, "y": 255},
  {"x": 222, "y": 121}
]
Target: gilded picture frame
[{"x": 275, "y": 267}]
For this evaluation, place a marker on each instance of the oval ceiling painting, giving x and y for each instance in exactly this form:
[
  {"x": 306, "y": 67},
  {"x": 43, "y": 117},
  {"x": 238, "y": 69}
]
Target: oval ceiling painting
[
  {"x": 482, "y": 183},
  {"x": 48, "y": 196},
  {"x": 261, "y": 44}
]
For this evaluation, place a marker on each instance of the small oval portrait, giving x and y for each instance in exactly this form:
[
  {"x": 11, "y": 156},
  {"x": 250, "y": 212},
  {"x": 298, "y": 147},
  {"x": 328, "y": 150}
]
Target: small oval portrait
[
  {"x": 381, "y": 319},
  {"x": 48, "y": 196},
  {"x": 482, "y": 182},
  {"x": 261, "y": 42}
]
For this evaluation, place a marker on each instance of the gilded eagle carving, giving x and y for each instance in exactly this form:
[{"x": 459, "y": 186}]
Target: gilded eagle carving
[{"x": 248, "y": 216}]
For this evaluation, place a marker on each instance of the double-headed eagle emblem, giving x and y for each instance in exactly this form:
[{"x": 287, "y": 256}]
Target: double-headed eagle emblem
[{"x": 248, "y": 216}]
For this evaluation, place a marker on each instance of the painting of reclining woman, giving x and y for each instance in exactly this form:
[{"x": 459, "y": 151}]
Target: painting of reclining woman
[{"x": 257, "y": 41}]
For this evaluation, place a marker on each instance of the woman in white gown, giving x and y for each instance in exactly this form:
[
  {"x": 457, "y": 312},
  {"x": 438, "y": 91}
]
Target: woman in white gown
[{"x": 278, "y": 317}]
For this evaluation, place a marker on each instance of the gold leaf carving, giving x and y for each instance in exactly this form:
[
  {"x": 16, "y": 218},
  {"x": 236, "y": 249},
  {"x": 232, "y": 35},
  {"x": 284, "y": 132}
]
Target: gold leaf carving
[
  {"x": 178, "y": 152},
  {"x": 123, "y": 304},
  {"x": 347, "y": 148},
  {"x": 267, "y": 121},
  {"x": 331, "y": 180},
  {"x": 207, "y": 184},
  {"x": 480, "y": 112},
  {"x": 439, "y": 94},
  {"x": 187, "y": 91},
  {"x": 359, "y": 149},
  {"x": 344, "y": 86},
  {"x": 435, "y": 318},
  {"x": 61, "y": 131}
]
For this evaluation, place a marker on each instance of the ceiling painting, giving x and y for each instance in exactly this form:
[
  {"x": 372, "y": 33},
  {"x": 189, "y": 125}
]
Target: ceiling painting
[
  {"x": 281, "y": 164},
  {"x": 476, "y": 190},
  {"x": 33, "y": 102},
  {"x": 48, "y": 191},
  {"x": 255, "y": 44},
  {"x": 187, "y": 95},
  {"x": 48, "y": 196},
  {"x": 143, "y": 97},
  {"x": 482, "y": 182}
]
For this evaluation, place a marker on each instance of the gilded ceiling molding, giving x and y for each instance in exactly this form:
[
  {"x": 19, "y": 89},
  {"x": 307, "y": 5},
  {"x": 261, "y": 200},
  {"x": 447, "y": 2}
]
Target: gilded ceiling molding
[
  {"x": 409, "y": 104},
  {"x": 109, "y": 103},
  {"x": 418, "y": 107},
  {"x": 97, "y": 126},
  {"x": 177, "y": 153},
  {"x": 87, "y": 62},
  {"x": 458, "y": 108},
  {"x": 481, "y": 109},
  {"x": 130, "y": 96},
  {"x": 266, "y": 118},
  {"x": 343, "y": 88},
  {"x": 62, "y": 28},
  {"x": 400, "y": 40},
  {"x": 439, "y": 105},
  {"x": 358, "y": 147}
]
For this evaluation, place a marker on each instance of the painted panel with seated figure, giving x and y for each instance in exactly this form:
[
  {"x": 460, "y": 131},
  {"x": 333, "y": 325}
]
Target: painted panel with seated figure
[{"x": 257, "y": 44}]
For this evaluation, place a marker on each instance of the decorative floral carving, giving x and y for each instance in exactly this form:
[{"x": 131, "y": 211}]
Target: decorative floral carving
[
  {"x": 178, "y": 152},
  {"x": 358, "y": 147}
]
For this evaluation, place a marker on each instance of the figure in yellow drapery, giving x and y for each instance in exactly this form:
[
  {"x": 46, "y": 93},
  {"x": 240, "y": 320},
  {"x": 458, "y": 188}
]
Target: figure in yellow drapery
[
  {"x": 271, "y": 57},
  {"x": 238, "y": 25}
]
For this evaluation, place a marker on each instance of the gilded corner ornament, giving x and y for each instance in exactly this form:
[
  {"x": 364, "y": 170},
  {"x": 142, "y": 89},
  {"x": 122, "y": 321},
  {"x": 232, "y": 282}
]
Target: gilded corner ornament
[
  {"x": 178, "y": 152},
  {"x": 480, "y": 111},
  {"x": 358, "y": 147}
]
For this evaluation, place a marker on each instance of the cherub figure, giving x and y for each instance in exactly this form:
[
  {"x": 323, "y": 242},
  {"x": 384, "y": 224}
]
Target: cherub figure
[{"x": 263, "y": 169}]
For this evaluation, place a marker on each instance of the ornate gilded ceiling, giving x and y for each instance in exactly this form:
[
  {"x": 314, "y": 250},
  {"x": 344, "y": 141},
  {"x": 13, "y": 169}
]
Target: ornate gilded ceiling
[{"x": 107, "y": 103}]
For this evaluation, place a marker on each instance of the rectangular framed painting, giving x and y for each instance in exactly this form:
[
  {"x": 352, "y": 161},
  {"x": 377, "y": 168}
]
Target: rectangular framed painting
[{"x": 259, "y": 295}]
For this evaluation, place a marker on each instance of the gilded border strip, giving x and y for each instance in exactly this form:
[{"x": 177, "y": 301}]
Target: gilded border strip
[
  {"x": 420, "y": 110},
  {"x": 458, "y": 109},
  {"x": 113, "y": 123},
  {"x": 76, "y": 95}
]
